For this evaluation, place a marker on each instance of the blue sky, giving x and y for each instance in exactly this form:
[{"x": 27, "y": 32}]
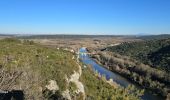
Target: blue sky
[{"x": 85, "y": 16}]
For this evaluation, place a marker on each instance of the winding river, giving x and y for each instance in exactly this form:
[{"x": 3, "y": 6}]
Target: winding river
[{"x": 116, "y": 77}]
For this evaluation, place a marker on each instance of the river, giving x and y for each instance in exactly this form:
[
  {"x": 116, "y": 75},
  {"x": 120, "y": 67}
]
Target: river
[{"x": 116, "y": 77}]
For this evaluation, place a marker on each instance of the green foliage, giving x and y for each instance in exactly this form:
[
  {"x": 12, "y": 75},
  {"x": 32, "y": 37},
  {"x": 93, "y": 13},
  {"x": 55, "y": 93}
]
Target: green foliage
[
  {"x": 152, "y": 52},
  {"x": 161, "y": 58},
  {"x": 146, "y": 76},
  {"x": 10, "y": 40},
  {"x": 37, "y": 63},
  {"x": 146, "y": 63},
  {"x": 97, "y": 89},
  {"x": 28, "y": 42},
  {"x": 72, "y": 88}
]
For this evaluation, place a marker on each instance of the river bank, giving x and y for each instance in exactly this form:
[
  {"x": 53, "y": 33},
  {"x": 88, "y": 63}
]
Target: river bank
[
  {"x": 128, "y": 75},
  {"x": 118, "y": 78},
  {"x": 130, "y": 79}
]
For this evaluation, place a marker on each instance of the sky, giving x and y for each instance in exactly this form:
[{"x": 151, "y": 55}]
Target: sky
[{"x": 115, "y": 17}]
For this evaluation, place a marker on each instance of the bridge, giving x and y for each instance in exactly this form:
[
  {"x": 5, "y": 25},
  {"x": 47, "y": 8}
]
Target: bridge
[{"x": 84, "y": 53}]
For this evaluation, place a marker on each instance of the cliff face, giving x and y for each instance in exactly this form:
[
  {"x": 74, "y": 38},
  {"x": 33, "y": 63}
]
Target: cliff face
[
  {"x": 79, "y": 90},
  {"x": 74, "y": 79},
  {"x": 75, "y": 88}
]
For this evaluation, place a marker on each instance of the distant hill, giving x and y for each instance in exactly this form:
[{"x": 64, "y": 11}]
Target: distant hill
[
  {"x": 62, "y": 36},
  {"x": 7, "y": 35},
  {"x": 143, "y": 34},
  {"x": 147, "y": 37}
]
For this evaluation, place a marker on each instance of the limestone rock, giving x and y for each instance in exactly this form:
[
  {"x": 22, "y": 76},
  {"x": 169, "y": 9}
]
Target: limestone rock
[{"x": 52, "y": 86}]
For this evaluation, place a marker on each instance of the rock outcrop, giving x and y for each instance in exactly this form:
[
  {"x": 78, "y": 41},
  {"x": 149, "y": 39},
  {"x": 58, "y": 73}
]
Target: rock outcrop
[{"x": 52, "y": 86}]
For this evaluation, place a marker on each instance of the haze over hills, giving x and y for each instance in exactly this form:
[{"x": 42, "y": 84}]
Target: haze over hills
[{"x": 41, "y": 36}]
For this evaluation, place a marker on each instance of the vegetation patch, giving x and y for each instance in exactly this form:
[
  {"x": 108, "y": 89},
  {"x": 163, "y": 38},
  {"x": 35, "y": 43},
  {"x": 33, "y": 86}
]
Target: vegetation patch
[
  {"x": 145, "y": 62},
  {"x": 151, "y": 52},
  {"x": 97, "y": 89},
  {"x": 29, "y": 67}
]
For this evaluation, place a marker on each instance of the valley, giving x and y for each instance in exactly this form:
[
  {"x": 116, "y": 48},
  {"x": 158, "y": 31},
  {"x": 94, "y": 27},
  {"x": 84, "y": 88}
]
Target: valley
[{"x": 139, "y": 68}]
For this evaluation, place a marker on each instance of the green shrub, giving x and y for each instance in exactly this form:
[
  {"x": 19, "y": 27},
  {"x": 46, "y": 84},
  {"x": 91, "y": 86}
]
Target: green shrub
[{"x": 38, "y": 65}]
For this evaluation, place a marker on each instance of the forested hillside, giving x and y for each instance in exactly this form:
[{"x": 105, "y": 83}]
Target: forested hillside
[
  {"x": 146, "y": 63},
  {"x": 152, "y": 52},
  {"x": 148, "y": 37}
]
